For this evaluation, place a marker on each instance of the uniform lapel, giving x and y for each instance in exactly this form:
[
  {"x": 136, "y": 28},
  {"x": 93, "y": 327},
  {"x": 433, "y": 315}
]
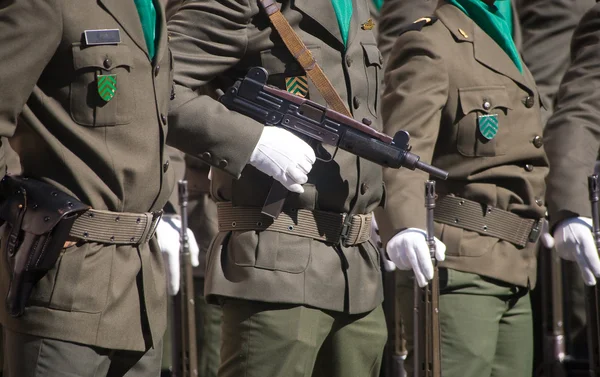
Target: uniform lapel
[
  {"x": 323, "y": 13},
  {"x": 161, "y": 26},
  {"x": 488, "y": 53},
  {"x": 355, "y": 21},
  {"x": 125, "y": 12}
]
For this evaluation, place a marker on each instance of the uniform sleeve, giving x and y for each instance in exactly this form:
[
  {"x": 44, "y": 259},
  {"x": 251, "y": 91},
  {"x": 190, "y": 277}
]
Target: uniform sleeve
[
  {"x": 416, "y": 90},
  {"x": 395, "y": 15},
  {"x": 30, "y": 32},
  {"x": 547, "y": 28},
  {"x": 207, "y": 38},
  {"x": 572, "y": 135}
]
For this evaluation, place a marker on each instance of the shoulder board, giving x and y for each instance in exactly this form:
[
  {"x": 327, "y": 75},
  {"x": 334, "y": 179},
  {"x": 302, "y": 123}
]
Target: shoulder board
[{"x": 419, "y": 24}]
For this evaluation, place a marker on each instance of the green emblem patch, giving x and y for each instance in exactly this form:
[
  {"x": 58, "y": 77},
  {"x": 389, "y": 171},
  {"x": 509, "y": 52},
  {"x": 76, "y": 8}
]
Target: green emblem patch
[
  {"x": 297, "y": 85},
  {"x": 488, "y": 125},
  {"x": 107, "y": 86}
]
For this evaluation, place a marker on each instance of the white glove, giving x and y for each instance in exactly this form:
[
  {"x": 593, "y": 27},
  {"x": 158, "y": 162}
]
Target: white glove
[
  {"x": 283, "y": 156},
  {"x": 408, "y": 250},
  {"x": 167, "y": 233},
  {"x": 545, "y": 237},
  {"x": 575, "y": 242},
  {"x": 388, "y": 265}
]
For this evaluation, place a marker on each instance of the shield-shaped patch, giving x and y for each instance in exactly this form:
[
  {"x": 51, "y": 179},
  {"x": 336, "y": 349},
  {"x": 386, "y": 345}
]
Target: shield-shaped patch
[
  {"x": 107, "y": 86},
  {"x": 488, "y": 125},
  {"x": 297, "y": 85}
]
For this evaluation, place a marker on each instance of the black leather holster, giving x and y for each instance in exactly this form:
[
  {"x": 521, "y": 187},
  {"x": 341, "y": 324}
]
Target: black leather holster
[{"x": 37, "y": 218}]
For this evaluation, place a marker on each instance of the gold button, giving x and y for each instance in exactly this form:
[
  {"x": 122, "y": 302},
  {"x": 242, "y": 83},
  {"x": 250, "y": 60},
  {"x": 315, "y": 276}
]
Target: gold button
[
  {"x": 223, "y": 163},
  {"x": 107, "y": 63},
  {"x": 529, "y": 167},
  {"x": 206, "y": 156},
  {"x": 356, "y": 102},
  {"x": 166, "y": 166},
  {"x": 163, "y": 118},
  {"x": 487, "y": 105},
  {"x": 156, "y": 70},
  {"x": 539, "y": 202},
  {"x": 538, "y": 141}
]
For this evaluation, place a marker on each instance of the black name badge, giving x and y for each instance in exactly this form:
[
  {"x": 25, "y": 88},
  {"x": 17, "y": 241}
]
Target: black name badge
[{"x": 102, "y": 37}]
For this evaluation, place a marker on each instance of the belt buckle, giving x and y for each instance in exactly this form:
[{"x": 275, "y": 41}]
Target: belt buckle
[
  {"x": 346, "y": 224},
  {"x": 156, "y": 216},
  {"x": 536, "y": 230}
]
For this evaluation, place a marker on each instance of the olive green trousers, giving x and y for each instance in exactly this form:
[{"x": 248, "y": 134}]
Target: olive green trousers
[
  {"x": 276, "y": 340},
  {"x": 486, "y": 326},
  {"x": 32, "y": 356}
]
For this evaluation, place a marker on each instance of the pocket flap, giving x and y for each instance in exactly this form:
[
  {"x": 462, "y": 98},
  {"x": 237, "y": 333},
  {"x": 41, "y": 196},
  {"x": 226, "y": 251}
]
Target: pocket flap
[
  {"x": 483, "y": 98},
  {"x": 372, "y": 54},
  {"x": 102, "y": 57}
]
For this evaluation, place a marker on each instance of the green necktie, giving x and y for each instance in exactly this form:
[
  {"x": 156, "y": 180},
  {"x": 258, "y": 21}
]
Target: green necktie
[
  {"x": 343, "y": 12},
  {"x": 147, "y": 14}
]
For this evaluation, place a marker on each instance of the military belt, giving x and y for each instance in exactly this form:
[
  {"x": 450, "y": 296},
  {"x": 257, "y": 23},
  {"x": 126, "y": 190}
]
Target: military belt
[
  {"x": 324, "y": 226},
  {"x": 119, "y": 228},
  {"x": 487, "y": 220}
]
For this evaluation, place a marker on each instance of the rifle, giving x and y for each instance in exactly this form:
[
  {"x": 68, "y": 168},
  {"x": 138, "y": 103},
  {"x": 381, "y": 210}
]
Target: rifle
[
  {"x": 427, "y": 341},
  {"x": 185, "y": 356},
  {"x": 318, "y": 125},
  {"x": 552, "y": 315},
  {"x": 591, "y": 293}
]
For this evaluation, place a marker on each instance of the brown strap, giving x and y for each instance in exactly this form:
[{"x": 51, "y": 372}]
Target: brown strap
[
  {"x": 303, "y": 55},
  {"x": 486, "y": 220},
  {"x": 319, "y": 225},
  {"x": 120, "y": 228}
]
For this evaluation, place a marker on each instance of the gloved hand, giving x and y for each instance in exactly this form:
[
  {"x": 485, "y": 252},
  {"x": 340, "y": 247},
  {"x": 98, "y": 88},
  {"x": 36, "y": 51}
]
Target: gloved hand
[
  {"x": 408, "y": 250},
  {"x": 388, "y": 265},
  {"x": 167, "y": 233},
  {"x": 545, "y": 237},
  {"x": 575, "y": 242},
  {"x": 283, "y": 156}
]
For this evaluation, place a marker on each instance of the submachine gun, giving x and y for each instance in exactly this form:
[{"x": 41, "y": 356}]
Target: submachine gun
[
  {"x": 185, "y": 356},
  {"x": 591, "y": 293},
  {"x": 427, "y": 340},
  {"x": 317, "y": 125}
]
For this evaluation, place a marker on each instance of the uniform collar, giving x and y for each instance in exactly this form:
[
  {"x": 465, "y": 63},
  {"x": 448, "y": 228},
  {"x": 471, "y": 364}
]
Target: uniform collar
[{"x": 486, "y": 51}]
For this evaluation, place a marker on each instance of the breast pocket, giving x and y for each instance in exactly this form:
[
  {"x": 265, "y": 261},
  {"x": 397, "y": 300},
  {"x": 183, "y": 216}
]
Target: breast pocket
[
  {"x": 485, "y": 111},
  {"x": 373, "y": 61},
  {"x": 101, "y": 92}
]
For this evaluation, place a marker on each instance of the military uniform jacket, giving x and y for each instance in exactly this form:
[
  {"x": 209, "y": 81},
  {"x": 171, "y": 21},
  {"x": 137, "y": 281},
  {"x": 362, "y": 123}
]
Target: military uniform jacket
[
  {"x": 213, "y": 43},
  {"x": 438, "y": 81},
  {"x": 571, "y": 135},
  {"x": 107, "y": 154}
]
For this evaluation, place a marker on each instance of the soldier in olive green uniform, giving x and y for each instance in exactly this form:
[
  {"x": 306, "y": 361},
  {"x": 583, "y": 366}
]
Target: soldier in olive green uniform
[
  {"x": 101, "y": 309},
  {"x": 572, "y": 143},
  {"x": 292, "y": 305},
  {"x": 547, "y": 30},
  {"x": 471, "y": 108}
]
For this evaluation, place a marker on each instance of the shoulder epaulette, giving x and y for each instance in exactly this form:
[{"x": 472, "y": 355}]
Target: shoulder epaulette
[{"x": 419, "y": 24}]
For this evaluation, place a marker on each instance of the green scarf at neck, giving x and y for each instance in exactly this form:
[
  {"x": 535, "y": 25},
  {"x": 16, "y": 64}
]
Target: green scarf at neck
[
  {"x": 491, "y": 20},
  {"x": 147, "y": 14},
  {"x": 343, "y": 12}
]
